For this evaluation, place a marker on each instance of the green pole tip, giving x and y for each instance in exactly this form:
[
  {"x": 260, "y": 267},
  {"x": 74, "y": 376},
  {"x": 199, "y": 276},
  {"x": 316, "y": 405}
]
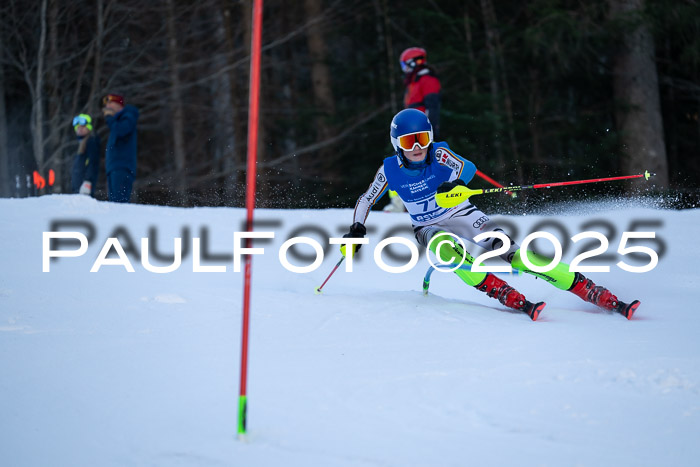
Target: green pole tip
[
  {"x": 242, "y": 415},
  {"x": 647, "y": 175}
]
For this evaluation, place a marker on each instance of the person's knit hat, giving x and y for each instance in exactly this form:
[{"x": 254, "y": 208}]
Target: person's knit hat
[{"x": 113, "y": 98}]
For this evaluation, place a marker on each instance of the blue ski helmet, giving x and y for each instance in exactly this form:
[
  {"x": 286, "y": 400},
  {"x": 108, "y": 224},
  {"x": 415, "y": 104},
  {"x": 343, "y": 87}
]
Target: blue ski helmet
[{"x": 408, "y": 122}]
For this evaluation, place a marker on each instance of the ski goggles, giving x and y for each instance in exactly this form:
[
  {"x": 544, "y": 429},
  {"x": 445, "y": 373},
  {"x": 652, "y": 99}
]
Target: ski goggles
[
  {"x": 407, "y": 142},
  {"x": 82, "y": 120},
  {"x": 408, "y": 65}
]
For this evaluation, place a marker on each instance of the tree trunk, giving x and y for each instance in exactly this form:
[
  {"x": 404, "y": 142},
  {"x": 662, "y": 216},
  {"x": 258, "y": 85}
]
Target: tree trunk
[
  {"x": 234, "y": 139},
  {"x": 534, "y": 116},
  {"x": 56, "y": 123},
  {"x": 97, "y": 68},
  {"x": 288, "y": 83},
  {"x": 37, "y": 120},
  {"x": 493, "y": 81},
  {"x": 320, "y": 79},
  {"x": 5, "y": 189},
  {"x": 320, "y": 73},
  {"x": 178, "y": 115},
  {"x": 470, "y": 52},
  {"x": 491, "y": 20},
  {"x": 637, "y": 102},
  {"x": 384, "y": 41},
  {"x": 671, "y": 122}
]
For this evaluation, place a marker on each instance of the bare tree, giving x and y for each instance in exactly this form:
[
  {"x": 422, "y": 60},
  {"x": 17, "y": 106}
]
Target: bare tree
[
  {"x": 470, "y": 48},
  {"x": 230, "y": 125},
  {"x": 320, "y": 72},
  {"x": 39, "y": 57},
  {"x": 636, "y": 88},
  {"x": 496, "y": 52},
  {"x": 535, "y": 110},
  {"x": 36, "y": 87},
  {"x": 384, "y": 41},
  {"x": 178, "y": 118},
  {"x": 97, "y": 63},
  {"x": 489, "y": 26},
  {"x": 55, "y": 122},
  {"x": 4, "y": 154}
]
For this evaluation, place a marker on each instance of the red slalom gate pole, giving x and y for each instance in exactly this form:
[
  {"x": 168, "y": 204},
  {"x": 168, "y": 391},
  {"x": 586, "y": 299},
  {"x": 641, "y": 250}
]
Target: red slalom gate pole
[
  {"x": 251, "y": 173},
  {"x": 488, "y": 179}
]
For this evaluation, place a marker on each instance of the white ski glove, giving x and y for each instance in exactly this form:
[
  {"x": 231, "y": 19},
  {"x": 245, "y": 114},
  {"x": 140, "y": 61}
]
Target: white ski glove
[{"x": 85, "y": 188}]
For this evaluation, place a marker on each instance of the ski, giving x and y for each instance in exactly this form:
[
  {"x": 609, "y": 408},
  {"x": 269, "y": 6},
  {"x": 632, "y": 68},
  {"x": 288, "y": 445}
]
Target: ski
[
  {"x": 533, "y": 309},
  {"x": 627, "y": 309}
]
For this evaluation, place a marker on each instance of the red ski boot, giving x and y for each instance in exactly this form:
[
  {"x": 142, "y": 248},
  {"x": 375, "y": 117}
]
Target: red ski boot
[
  {"x": 600, "y": 296},
  {"x": 507, "y": 295}
]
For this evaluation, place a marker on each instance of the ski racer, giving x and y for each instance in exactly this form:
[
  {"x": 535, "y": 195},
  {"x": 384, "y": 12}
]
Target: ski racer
[{"x": 421, "y": 168}]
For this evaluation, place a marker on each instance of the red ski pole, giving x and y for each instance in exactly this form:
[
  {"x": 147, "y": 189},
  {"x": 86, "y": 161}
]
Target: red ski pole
[
  {"x": 459, "y": 193},
  {"x": 318, "y": 289}
]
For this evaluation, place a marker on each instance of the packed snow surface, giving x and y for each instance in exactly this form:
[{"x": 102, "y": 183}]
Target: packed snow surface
[{"x": 118, "y": 368}]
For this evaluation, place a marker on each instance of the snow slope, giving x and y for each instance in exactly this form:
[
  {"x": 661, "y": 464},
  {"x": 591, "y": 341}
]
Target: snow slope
[{"x": 113, "y": 368}]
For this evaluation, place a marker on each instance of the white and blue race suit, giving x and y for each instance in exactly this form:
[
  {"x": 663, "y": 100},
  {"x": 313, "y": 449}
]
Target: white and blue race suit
[{"x": 417, "y": 189}]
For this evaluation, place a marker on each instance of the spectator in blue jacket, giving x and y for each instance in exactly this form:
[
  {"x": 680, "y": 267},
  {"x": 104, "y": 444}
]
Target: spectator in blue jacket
[
  {"x": 86, "y": 164},
  {"x": 120, "y": 154}
]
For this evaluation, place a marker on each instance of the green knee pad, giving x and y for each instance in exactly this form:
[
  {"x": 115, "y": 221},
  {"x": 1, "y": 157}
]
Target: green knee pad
[
  {"x": 452, "y": 252},
  {"x": 560, "y": 277}
]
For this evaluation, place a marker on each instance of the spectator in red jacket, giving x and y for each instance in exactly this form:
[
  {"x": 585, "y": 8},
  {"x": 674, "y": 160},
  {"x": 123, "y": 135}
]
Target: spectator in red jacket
[{"x": 422, "y": 86}]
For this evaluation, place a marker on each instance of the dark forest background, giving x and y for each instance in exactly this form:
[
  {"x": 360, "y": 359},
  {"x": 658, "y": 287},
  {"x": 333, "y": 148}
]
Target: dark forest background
[{"x": 533, "y": 91}]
